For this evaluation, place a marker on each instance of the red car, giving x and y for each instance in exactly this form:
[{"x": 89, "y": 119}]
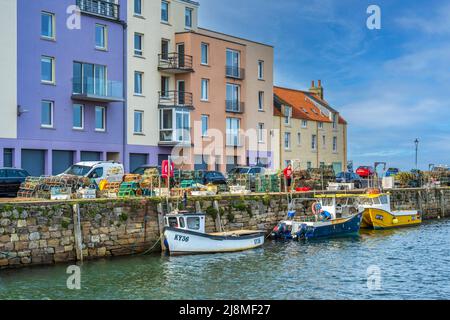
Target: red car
[{"x": 365, "y": 171}]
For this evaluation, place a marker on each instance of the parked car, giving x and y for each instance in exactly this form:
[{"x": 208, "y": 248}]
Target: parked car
[
  {"x": 392, "y": 172},
  {"x": 250, "y": 171},
  {"x": 213, "y": 177},
  {"x": 141, "y": 170},
  {"x": 349, "y": 177},
  {"x": 97, "y": 170},
  {"x": 247, "y": 170},
  {"x": 10, "y": 180},
  {"x": 365, "y": 171}
]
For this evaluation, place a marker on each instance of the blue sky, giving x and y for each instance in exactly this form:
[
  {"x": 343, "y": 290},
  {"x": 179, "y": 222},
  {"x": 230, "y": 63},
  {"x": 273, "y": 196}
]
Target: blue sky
[{"x": 392, "y": 85}]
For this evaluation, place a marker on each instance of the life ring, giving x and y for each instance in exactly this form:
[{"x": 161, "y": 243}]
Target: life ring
[{"x": 316, "y": 208}]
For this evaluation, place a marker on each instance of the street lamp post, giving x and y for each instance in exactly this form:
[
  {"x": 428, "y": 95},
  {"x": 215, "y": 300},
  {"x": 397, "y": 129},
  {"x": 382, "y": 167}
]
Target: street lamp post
[{"x": 417, "y": 150}]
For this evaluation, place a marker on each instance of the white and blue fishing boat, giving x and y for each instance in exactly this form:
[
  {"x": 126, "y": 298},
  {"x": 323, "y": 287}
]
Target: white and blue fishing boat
[
  {"x": 184, "y": 233},
  {"x": 328, "y": 219}
]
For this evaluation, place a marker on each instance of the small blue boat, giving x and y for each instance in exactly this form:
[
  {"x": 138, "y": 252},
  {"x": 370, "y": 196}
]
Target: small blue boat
[{"x": 324, "y": 222}]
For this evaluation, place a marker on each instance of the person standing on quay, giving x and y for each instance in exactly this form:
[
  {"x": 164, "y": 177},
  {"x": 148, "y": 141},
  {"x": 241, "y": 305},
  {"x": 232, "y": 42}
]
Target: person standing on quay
[{"x": 288, "y": 173}]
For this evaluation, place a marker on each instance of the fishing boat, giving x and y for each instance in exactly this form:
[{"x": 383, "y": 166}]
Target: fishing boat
[
  {"x": 184, "y": 233},
  {"x": 378, "y": 214},
  {"x": 329, "y": 219}
]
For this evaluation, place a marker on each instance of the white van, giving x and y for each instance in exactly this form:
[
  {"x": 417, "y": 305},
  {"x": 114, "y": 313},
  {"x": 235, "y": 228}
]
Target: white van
[{"x": 97, "y": 170}]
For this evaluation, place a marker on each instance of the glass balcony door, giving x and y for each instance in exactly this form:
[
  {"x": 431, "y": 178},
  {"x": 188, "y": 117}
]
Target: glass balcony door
[
  {"x": 233, "y": 63},
  {"x": 233, "y": 97},
  {"x": 89, "y": 79}
]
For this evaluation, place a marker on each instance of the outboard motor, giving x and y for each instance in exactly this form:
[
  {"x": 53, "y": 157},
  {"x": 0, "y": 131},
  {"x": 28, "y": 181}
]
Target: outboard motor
[{"x": 281, "y": 231}]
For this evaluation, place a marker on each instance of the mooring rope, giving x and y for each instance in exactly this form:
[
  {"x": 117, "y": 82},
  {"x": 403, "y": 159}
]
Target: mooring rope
[{"x": 153, "y": 247}]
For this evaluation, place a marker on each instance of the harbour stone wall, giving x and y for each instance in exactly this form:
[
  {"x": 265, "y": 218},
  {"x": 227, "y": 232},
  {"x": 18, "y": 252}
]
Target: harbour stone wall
[{"x": 38, "y": 233}]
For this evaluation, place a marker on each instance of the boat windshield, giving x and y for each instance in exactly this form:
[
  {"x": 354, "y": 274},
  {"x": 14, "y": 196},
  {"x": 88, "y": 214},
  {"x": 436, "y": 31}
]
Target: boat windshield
[
  {"x": 182, "y": 224},
  {"x": 366, "y": 201},
  {"x": 173, "y": 222},
  {"x": 327, "y": 202},
  {"x": 193, "y": 223},
  {"x": 384, "y": 200},
  {"x": 77, "y": 170}
]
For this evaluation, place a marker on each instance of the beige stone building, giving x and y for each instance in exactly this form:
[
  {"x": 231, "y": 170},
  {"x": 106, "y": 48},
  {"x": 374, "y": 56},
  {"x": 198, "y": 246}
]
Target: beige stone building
[{"x": 311, "y": 132}]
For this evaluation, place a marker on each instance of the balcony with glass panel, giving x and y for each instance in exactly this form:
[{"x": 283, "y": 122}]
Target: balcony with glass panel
[
  {"x": 102, "y": 8},
  {"x": 97, "y": 90}
]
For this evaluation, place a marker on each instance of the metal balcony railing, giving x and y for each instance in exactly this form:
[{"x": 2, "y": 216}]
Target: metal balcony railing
[
  {"x": 234, "y": 106},
  {"x": 235, "y": 72},
  {"x": 175, "y": 99},
  {"x": 175, "y": 62},
  {"x": 101, "y": 8}
]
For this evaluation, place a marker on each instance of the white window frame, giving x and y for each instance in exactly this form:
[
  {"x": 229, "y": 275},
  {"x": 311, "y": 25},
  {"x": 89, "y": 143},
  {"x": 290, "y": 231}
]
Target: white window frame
[
  {"x": 304, "y": 124},
  {"x": 141, "y": 119},
  {"x": 313, "y": 142},
  {"x": 103, "y": 120},
  {"x": 204, "y": 95},
  {"x": 191, "y": 17},
  {"x": 287, "y": 140},
  {"x": 52, "y": 15},
  {"x": 138, "y": 52},
  {"x": 261, "y": 70},
  {"x": 287, "y": 117},
  {"x": 299, "y": 138},
  {"x": 52, "y": 108},
  {"x": 206, "y": 118},
  {"x": 320, "y": 125},
  {"x": 233, "y": 133},
  {"x": 105, "y": 36},
  {"x": 261, "y": 101},
  {"x": 168, "y": 11},
  {"x": 335, "y": 144},
  {"x": 142, "y": 83},
  {"x": 82, "y": 117},
  {"x": 140, "y": 14},
  {"x": 52, "y": 60},
  {"x": 206, "y": 45},
  {"x": 261, "y": 132}
]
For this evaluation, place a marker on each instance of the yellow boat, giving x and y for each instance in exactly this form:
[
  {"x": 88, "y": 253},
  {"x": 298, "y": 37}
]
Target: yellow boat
[
  {"x": 377, "y": 210},
  {"x": 378, "y": 214}
]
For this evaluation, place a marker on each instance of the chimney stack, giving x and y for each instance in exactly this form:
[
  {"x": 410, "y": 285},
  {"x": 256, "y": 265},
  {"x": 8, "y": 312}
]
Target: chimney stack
[{"x": 317, "y": 90}]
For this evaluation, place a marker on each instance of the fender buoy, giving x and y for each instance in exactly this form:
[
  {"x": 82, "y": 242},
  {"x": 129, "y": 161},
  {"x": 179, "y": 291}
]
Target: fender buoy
[{"x": 316, "y": 207}]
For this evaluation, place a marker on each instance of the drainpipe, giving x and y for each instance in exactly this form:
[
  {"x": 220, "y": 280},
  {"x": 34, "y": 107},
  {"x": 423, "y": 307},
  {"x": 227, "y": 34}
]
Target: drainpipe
[{"x": 125, "y": 98}]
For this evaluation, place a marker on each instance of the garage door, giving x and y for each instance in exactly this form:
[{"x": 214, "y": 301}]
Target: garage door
[
  {"x": 33, "y": 161},
  {"x": 137, "y": 160},
  {"x": 61, "y": 160},
  {"x": 90, "y": 156}
]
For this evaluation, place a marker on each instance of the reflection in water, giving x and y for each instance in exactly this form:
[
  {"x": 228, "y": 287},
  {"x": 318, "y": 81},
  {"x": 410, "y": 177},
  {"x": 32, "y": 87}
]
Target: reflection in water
[{"x": 414, "y": 264}]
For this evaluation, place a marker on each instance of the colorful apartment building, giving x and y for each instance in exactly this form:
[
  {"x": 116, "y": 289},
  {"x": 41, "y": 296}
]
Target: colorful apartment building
[
  {"x": 158, "y": 103},
  {"x": 311, "y": 132},
  {"x": 62, "y": 83},
  {"x": 195, "y": 93},
  {"x": 137, "y": 81}
]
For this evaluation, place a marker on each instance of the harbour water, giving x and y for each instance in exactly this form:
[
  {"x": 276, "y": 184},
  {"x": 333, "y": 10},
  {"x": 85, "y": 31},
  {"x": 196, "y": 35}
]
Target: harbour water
[{"x": 414, "y": 263}]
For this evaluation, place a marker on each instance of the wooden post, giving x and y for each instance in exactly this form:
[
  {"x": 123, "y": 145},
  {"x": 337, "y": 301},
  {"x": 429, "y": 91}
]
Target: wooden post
[
  {"x": 198, "y": 208},
  {"x": 77, "y": 232},
  {"x": 219, "y": 227},
  {"x": 161, "y": 226}
]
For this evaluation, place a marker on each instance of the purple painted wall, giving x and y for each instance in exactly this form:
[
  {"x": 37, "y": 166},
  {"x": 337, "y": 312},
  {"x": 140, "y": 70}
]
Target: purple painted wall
[{"x": 69, "y": 46}]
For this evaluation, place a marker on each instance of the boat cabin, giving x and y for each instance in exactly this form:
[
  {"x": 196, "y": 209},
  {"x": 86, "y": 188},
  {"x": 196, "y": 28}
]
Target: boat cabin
[
  {"x": 338, "y": 206},
  {"x": 186, "y": 221},
  {"x": 377, "y": 201}
]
